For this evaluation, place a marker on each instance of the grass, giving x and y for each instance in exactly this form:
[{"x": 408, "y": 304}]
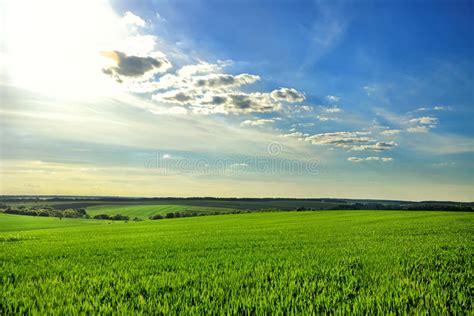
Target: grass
[
  {"x": 17, "y": 223},
  {"x": 294, "y": 262},
  {"x": 145, "y": 211}
]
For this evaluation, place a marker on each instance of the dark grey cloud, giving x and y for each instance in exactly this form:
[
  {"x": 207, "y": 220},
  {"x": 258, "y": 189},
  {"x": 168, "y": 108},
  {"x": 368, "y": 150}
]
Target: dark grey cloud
[
  {"x": 287, "y": 94},
  {"x": 245, "y": 102},
  {"x": 179, "y": 97},
  {"x": 224, "y": 80},
  {"x": 220, "y": 80},
  {"x": 133, "y": 66}
]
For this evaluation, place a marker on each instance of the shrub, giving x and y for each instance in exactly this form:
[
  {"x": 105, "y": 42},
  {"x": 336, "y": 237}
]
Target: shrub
[
  {"x": 155, "y": 217},
  {"x": 102, "y": 216},
  {"x": 119, "y": 217},
  {"x": 170, "y": 215},
  {"x": 71, "y": 213}
]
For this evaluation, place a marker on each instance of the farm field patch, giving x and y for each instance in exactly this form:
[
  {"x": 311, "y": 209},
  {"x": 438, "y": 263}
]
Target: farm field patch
[{"x": 300, "y": 262}]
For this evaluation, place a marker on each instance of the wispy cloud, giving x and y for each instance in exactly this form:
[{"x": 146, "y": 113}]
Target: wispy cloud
[
  {"x": 351, "y": 141},
  {"x": 325, "y": 33},
  {"x": 418, "y": 129},
  {"x": 435, "y": 108},
  {"x": 390, "y": 132},
  {"x": 358, "y": 159},
  {"x": 258, "y": 122},
  {"x": 334, "y": 109}
]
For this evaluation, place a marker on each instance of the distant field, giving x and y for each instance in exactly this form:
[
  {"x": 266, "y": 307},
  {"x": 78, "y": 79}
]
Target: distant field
[
  {"x": 16, "y": 223},
  {"x": 223, "y": 204},
  {"x": 363, "y": 262},
  {"x": 248, "y": 204},
  {"x": 145, "y": 211}
]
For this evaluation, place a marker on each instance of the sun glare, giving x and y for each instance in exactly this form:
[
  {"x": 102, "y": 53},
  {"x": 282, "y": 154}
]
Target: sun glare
[{"x": 49, "y": 48}]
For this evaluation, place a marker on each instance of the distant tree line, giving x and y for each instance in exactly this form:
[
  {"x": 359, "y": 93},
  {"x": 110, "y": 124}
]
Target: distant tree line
[
  {"x": 190, "y": 213},
  {"x": 46, "y": 211},
  {"x": 406, "y": 207},
  {"x": 117, "y": 217}
]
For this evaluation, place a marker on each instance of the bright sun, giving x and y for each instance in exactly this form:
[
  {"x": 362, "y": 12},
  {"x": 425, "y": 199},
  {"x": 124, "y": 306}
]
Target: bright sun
[{"x": 53, "y": 47}]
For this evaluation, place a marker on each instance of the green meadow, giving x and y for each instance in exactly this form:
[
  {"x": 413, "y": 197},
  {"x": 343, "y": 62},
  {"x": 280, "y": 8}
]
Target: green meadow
[{"x": 371, "y": 262}]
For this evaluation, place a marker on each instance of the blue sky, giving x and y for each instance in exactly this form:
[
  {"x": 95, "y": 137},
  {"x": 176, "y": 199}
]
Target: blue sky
[{"x": 369, "y": 99}]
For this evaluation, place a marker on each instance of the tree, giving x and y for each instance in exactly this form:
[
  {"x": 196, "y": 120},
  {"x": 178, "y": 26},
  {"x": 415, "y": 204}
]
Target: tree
[
  {"x": 119, "y": 217},
  {"x": 155, "y": 217}
]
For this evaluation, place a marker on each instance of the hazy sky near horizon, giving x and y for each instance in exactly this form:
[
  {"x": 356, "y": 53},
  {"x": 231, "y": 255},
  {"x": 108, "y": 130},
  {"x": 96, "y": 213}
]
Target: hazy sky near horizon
[{"x": 355, "y": 99}]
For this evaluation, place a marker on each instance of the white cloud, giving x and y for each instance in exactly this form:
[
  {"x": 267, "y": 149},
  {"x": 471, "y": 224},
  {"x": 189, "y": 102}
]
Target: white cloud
[
  {"x": 307, "y": 108},
  {"x": 435, "y": 108},
  {"x": 356, "y": 141},
  {"x": 332, "y": 98},
  {"x": 140, "y": 45},
  {"x": 378, "y": 146},
  {"x": 383, "y": 159},
  {"x": 258, "y": 122},
  {"x": 188, "y": 71},
  {"x": 442, "y": 108},
  {"x": 370, "y": 89},
  {"x": 430, "y": 143},
  {"x": 425, "y": 120},
  {"x": 294, "y": 134},
  {"x": 308, "y": 124},
  {"x": 340, "y": 139},
  {"x": 287, "y": 95},
  {"x": 206, "y": 89},
  {"x": 323, "y": 118},
  {"x": 418, "y": 129},
  {"x": 130, "y": 18},
  {"x": 333, "y": 110},
  {"x": 175, "y": 110},
  {"x": 390, "y": 132},
  {"x": 215, "y": 93},
  {"x": 159, "y": 17},
  {"x": 426, "y": 123}
]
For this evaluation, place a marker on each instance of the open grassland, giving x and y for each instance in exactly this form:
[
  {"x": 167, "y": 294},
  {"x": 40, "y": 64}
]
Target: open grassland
[
  {"x": 293, "y": 262},
  {"x": 145, "y": 211}
]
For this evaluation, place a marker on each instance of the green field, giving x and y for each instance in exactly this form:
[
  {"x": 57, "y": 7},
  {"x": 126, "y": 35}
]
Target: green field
[
  {"x": 145, "y": 211},
  {"x": 290, "y": 262},
  {"x": 17, "y": 223}
]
